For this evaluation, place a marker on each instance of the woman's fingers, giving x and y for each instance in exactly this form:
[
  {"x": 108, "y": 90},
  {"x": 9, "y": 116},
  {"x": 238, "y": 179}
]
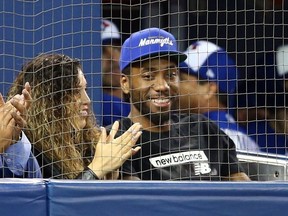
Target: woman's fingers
[
  {"x": 16, "y": 126},
  {"x": 27, "y": 95},
  {"x": 27, "y": 87},
  {"x": 130, "y": 137},
  {"x": 22, "y": 102},
  {"x": 20, "y": 122},
  {"x": 131, "y": 141},
  {"x": 131, "y": 152},
  {"x": 5, "y": 115},
  {"x": 136, "y": 150},
  {"x": 127, "y": 151},
  {"x": 103, "y": 136},
  {"x": 112, "y": 153},
  {"x": 113, "y": 131},
  {"x": 18, "y": 102},
  {"x": 2, "y": 102}
]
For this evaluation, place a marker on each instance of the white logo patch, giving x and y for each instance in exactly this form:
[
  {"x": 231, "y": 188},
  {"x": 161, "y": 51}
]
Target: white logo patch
[
  {"x": 179, "y": 158},
  {"x": 161, "y": 41},
  {"x": 210, "y": 73},
  {"x": 202, "y": 168}
]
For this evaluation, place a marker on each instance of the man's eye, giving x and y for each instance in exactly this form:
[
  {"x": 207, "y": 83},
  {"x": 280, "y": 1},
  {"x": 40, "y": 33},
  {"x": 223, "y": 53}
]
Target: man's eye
[
  {"x": 172, "y": 75},
  {"x": 147, "y": 76}
]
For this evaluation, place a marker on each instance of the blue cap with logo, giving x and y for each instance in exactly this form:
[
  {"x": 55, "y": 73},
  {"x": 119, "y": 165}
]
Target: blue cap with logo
[
  {"x": 148, "y": 43},
  {"x": 208, "y": 61},
  {"x": 109, "y": 33}
]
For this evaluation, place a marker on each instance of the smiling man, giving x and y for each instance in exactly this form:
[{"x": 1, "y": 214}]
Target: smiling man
[{"x": 173, "y": 146}]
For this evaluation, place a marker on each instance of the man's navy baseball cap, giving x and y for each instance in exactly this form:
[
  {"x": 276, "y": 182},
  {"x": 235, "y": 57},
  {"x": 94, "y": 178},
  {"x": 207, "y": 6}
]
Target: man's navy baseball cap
[
  {"x": 210, "y": 62},
  {"x": 148, "y": 43}
]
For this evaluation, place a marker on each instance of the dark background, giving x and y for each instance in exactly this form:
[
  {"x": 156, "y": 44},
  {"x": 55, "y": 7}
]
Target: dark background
[{"x": 245, "y": 28}]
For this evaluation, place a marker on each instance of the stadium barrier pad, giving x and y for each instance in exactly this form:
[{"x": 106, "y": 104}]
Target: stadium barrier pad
[
  {"x": 23, "y": 197},
  {"x": 56, "y": 197}
]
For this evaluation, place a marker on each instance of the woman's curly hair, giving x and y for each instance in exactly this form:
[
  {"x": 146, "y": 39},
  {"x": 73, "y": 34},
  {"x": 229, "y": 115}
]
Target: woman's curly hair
[{"x": 54, "y": 85}]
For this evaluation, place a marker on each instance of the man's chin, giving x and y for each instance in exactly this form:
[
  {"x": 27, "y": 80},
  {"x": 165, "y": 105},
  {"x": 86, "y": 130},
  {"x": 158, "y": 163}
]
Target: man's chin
[{"x": 156, "y": 116}]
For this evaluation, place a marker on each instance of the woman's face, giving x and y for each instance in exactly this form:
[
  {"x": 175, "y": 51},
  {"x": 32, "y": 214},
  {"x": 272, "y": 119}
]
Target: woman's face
[{"x": 83, "y": 103}]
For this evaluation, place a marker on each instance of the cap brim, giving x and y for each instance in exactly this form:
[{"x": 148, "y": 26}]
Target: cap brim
[{"x": 177, "y": 57}]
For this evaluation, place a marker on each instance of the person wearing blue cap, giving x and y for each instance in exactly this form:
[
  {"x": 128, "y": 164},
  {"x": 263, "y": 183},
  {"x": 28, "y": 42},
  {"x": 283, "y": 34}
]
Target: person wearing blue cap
[
  {"x": 114, "y": 105},
  {"x": 262, "y": 102},
  {"x": 173, "y": 146},
  {"x": 207, "y": 85}
]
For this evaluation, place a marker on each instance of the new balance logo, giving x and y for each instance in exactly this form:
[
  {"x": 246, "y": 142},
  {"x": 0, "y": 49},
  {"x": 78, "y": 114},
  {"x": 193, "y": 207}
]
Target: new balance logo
[
  {"x": 201, "y": 168},
  {"x": 161, "y": 41},
  {"x": 178, "y": 158}
]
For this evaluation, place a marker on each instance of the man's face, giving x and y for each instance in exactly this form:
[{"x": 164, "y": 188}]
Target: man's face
[
  {"x": 110, "y": 66},
  {"x": 192, "y": 94},
  {"x": 154, "y": 89}
]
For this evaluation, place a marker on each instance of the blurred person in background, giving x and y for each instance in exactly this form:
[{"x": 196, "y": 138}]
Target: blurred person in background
[
  {"x": 208, "y": 79},
  {"x": 262, "y": 102},
  {"x": 114, "y": 105},
  {"x": 61, "y": 126},
  {"x": 16, "y": 158}
]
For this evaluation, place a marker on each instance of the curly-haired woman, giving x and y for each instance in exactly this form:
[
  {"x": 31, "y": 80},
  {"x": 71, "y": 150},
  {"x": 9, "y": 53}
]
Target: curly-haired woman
[{"x": 61, "y": 126}]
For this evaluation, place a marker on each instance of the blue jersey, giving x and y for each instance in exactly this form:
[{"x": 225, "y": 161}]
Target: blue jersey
[{"x": 228, "y": 125}]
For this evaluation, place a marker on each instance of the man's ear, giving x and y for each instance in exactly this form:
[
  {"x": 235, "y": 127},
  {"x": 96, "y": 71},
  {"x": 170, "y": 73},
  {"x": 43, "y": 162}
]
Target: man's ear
[
  {"x": 212, "y": 89},
  {"x": 125, "y": 84}
]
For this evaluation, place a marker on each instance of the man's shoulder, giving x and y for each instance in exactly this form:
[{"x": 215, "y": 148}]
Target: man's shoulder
[{"x": 195, "y": 123}]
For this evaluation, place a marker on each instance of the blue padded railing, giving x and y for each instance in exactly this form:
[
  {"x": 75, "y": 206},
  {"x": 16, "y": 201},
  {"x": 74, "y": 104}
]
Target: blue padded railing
[{"x": 56, "y": 197}]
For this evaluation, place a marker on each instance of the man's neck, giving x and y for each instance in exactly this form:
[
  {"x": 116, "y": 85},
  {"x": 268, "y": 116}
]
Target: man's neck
[{"x": 147, "y": 124}]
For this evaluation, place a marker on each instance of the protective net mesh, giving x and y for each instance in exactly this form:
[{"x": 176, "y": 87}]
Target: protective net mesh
[{"x": 234, "y": 76}]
